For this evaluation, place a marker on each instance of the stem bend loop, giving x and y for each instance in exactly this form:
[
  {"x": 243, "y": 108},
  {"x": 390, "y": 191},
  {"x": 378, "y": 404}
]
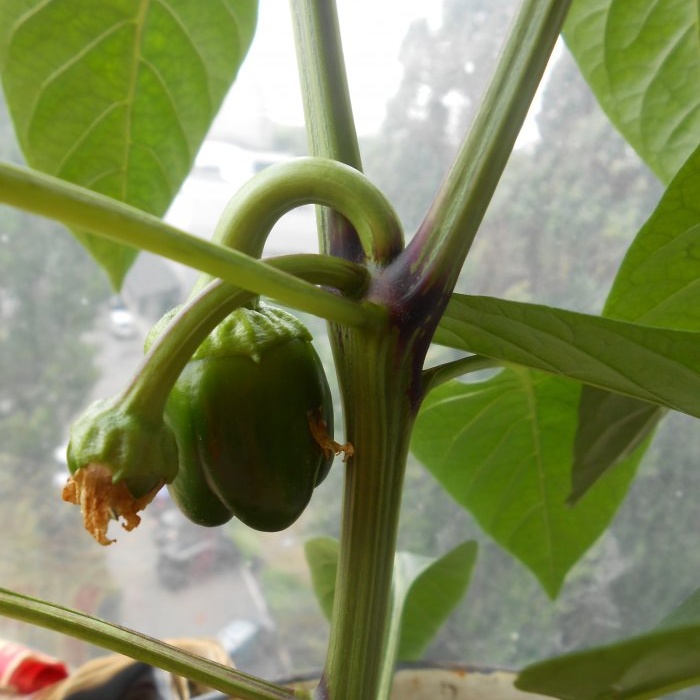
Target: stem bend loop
[{"x": 252, "y": 212}]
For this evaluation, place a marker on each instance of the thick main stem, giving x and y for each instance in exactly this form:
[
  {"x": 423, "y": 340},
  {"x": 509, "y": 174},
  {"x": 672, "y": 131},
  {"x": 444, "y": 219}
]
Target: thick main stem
[
  {"x": 372, "y": 377},
  {"x": 379, "y": 416}
]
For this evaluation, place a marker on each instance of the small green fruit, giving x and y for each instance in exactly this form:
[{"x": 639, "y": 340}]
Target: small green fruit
[{"x": 240, "y": 412}]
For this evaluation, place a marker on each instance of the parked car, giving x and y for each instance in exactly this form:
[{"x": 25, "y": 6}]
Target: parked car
[{"x": 122, "y": 323}]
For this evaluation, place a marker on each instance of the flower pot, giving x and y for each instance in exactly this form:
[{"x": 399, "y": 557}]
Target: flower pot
[{"x": 437, "y": 682}]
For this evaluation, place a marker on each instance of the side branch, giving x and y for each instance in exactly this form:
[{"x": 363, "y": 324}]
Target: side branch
[
  {"x": 437, "y": 252},
  {"x": 80, "y": 208}
]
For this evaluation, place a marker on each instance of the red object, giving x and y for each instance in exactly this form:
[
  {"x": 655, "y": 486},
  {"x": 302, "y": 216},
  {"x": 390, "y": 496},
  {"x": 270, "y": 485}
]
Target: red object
[{"x": 23, "y": 670}]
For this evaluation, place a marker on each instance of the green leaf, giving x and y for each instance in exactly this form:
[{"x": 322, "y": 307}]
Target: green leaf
[
  {"x": 121, "y": 100},
  {"x": 658, "y": 284},
  {"x": 687, "y": 613},
  {"x": 322, "y": 558},
  {"x": 665, "y": 659},
  {"x": 642, "y": 667},
  {"x": 642, "y": 61},
  {"x": 431, "y": 597},
  {"x": 502, "y": 449},
  {"x": 659, "y": 280},
  {"x": 658, "y": 365},
  {"x": 610, "y": 428},
  {"x": 426, "y": 590}
]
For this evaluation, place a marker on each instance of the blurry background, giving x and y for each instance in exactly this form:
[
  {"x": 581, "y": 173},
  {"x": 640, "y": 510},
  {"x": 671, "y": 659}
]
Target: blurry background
[{"x": 569, "y": 203}]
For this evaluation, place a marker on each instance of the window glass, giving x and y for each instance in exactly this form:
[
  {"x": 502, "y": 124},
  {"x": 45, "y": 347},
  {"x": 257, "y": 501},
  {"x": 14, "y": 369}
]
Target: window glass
[{"x": 572, "y": 198}]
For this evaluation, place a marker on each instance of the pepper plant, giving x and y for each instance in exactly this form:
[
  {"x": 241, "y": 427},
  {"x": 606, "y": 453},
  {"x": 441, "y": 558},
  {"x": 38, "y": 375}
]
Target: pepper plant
[{"x": 110, "y": 106}]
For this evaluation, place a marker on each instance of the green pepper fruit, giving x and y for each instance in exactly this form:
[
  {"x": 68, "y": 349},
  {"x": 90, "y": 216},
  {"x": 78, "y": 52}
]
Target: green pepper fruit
[{"x": 240, "y": 412}]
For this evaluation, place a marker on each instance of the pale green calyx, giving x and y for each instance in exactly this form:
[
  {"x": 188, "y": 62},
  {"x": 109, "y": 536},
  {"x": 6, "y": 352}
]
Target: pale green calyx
[
  {"x": 134, "y": 449},
  {"x": 245, "y": 331}
]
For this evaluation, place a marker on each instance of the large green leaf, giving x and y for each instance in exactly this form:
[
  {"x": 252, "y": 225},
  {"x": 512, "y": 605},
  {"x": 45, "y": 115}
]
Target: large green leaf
[
  {"x": 647, "y": 666},
  {"x": 502, "y": 449},
  {"x": 642, "y": 60},
  {"x": 658, "y": 284},
  {"x": 644, "y": 667},
  {"x": 425, "y": 590},
  {"x": 657, "y": 365},
  {"x": 118, "y": 98}
]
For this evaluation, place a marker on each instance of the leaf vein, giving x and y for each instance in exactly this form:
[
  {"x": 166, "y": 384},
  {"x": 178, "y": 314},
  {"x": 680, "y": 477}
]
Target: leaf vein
[
  {"x": 539, "y": 463},
  {"x": 31, "y": 13},
  {"x": 468, "y": 425},
  {"x": 489, "y": 457},
  {"x": 66, "y": 66},
  {"x": 84, "y": 136},
  {"x": 195, "y": 50},
  {"x": 670, "y": 299},
  {"x": 171, "y": 101}
]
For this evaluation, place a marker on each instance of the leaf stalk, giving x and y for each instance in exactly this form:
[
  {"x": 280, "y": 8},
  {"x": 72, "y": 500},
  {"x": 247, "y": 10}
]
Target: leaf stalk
[
  {"x": 142, "y": 648},
  {"x": 80, "y": 208}
]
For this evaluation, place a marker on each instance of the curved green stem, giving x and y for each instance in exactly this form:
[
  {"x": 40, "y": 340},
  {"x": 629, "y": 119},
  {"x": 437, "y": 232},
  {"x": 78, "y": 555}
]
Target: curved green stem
[
  {"x": 376, "y": 409},
  {"x": 252, "y": 212},
  {"x": 82, "y": 209},
  {"x": 148, "y": 391},
  {"x": 142, "y": 648}
]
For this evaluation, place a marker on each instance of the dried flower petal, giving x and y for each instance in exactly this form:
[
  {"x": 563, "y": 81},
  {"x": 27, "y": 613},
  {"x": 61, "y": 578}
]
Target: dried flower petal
[
  {"x": 319, "y": 431},
  {"x": 101, "y": 500}
]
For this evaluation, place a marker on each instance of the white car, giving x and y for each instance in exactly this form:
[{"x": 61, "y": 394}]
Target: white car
[{"x": 122, "y": 323}]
